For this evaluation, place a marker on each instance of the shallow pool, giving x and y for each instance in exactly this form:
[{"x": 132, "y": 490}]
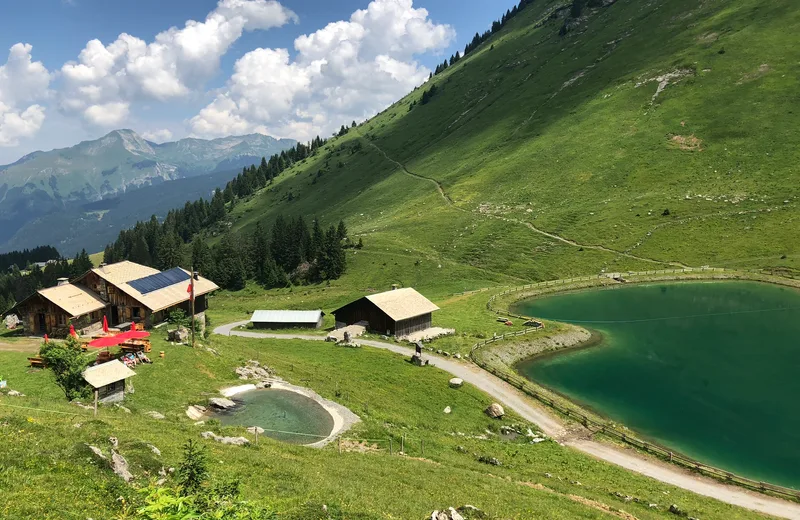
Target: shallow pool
[
  {"x": 285, "y": 415},
  {"x": 711, "y": 370}
]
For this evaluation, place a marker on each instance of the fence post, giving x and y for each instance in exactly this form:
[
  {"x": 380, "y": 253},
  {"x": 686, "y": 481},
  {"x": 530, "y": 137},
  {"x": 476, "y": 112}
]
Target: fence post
[
  {"x": 340, "y": 445},
  {"x": 403, "y": 444},
  {"x": 422, "y": 446},
  {"x": 390, "y": 446}
]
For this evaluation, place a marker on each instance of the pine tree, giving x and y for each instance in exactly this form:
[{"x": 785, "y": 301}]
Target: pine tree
[
  {"x": 201, "y": 257},
  {"x": 317, "y": 240},
  {"x": 231, "y": 270},
  {"x": 341, "y": 230},
  {"x": 260, "y": 253},
  {"x": 140, "y": 253},
  {"x": 217, "y": 210}
]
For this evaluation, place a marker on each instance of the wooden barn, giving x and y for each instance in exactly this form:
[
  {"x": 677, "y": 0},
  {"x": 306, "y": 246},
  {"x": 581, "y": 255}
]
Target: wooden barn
[
  {"x": 395, "y": 313},
  {"x": 141, "y": 294},
  {"x": 280, "y": 319},
  {"x": 51, "y": 311}
]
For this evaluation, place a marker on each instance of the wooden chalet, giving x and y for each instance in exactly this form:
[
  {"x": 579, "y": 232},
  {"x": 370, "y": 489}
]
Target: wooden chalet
[
  {"x": 397, "y": 312},
  {"x": 124, "y": 292},
  {"x": 51, "y": 311}
]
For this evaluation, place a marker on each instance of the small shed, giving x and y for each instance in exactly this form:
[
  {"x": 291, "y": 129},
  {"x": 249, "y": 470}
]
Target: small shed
[
  {"x": 108, "y": 381},
  {"x": 397, "y": 312},
  {"x": 278, "y": 319}
]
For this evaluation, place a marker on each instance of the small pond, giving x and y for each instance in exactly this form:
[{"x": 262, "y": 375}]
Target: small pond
[
  {"x": 285, "y": 415},
  {"x": 710, "y": 369}
]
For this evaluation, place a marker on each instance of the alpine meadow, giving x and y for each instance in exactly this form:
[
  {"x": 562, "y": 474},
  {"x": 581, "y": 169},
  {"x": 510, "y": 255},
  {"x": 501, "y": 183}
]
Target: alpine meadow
[{"x": 574, "y": 145}]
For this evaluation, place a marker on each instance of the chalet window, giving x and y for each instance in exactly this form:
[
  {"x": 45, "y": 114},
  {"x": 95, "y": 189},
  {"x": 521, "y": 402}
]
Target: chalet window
[
  {"x": 136, "y": 312},
  {"x": 62, "y": 319}
]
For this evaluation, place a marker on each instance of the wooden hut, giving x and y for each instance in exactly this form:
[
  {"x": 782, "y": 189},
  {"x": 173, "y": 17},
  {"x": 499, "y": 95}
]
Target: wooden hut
[
  {"x": 287, "y": 319},
  {"x": 51, "y": 311},
  {"x": 397, "y": 312},
  {"x": 108, "y": 381}
]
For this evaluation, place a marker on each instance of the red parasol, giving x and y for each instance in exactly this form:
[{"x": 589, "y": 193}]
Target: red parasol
[
  {"x": 105, "y": 324},
  {"x": 72, "y": 331},
  {"x": 107, "y": 341}
]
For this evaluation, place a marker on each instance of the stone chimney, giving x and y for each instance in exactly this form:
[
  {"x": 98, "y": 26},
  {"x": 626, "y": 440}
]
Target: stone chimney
[
  {"x": 394, "y": 286},
  {"x": 63, "y": 281},
  {"x": 103, "y": 267}
]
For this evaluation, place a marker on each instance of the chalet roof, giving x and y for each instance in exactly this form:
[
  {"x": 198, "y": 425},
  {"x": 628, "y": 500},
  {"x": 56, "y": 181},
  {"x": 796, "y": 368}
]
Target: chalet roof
[
  {"x": 138, "y": 282},
  {"x": 74, "y": 299},
  {"x": 101, "y": 375},
  {"x": 274, "y": 316},
  {"x": 401, "y": 304}
]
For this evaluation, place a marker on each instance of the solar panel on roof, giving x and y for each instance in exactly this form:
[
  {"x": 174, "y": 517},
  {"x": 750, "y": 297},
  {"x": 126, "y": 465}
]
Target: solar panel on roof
[{"x": 158, "y": 281}]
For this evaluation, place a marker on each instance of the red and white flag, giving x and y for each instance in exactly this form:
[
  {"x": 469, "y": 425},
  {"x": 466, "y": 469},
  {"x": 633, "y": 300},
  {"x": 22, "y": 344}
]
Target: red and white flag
[{"x": 190, "y": 289}]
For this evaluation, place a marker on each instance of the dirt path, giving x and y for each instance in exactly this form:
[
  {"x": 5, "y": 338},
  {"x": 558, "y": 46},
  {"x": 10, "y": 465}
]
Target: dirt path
[
  {"x": 552, "y": 426},
  {"x": 530, "y": 226}
]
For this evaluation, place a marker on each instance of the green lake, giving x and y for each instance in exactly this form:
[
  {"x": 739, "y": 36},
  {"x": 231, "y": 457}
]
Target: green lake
[
  {"x": 711, "y": 370},
  {"x": 284, "y": 415}
]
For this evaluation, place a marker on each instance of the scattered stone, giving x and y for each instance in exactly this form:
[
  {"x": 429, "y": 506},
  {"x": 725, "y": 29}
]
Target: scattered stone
[
  {"x": 452, "y": 513},
  {"x": 155, "y": 450},
  {"x": 155, "y": 415},
  {"x": 179, "y": 335},
  {"x": 124, "y": 409},
  {"x": 120, "y": 466},
  {"x": 114, "y": 442},
  {"x": 255, "y": 429},
  {"x": 548, "y": 475},
  {"x": 495, "y": 411},
  {"x": 195, "y": 412},
  {"x": 653, "y": 506},
  {"x": 447, "y": 409},
  {"x": 264, "y": 384},
  {"x": 97, "y": 452},
  {"x": 456, "y": 382},
  {"x": 254, "y": 370},
  {"x": 221, "y": 403},
  {"x": 14, "y": 393},
  {"x": 461, "y": 449},
  {"x": 200, "y": 423},
  {"x": 489, "y": 460},
  {"x": 675, "y": 510},
  {"x": 457, "y": 355},
  {"x": 235, "y": 441},
  {"x": 211, "y": 350},
  {"x": 81, "y": 405}
]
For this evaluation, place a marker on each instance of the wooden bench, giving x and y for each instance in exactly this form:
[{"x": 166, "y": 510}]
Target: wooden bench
[{"x": 36, "y": 362}]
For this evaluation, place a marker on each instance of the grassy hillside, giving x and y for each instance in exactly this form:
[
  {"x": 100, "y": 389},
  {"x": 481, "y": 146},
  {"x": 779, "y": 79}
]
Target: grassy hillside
[{"x": 589, "y": 138}]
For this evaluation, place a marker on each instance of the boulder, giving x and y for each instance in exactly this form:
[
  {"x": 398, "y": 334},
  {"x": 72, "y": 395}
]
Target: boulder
[
  {"x": 195, "y": 412},
  {"x": 264, "y": 384},
  {"x": 155, "y": 450},
  {"x": 14, "y": 393},
  {"x": 155, "y": 415},
  {"x": 447, "y": 409},
  {"x": 97, "y": 452},
  {"x": 12, "y": 321},
  {"x": 179, "y": 335},
  {"x": 235, "y": 441},
  {"x": 454, "y": 515},
  {"x": 120, "y": 466},
  {"x": 456, "y": 382},
  {"x": 221, "y": 403},
  {"x": 254, "y": 370},
  {"x": 495, "y": 411}
]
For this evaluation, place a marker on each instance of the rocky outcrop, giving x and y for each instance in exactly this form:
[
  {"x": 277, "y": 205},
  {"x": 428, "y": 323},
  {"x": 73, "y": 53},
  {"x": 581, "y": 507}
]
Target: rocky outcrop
[
  {"x": 120, "y": 466},
  {"x": 221, "y": 403},
  {"x": 196, "y": 412},
  {"x": 235, "y": 441},
  {"x": 253, "y": 370},
  {"x": 155, "y": 415},
  {"x": 511, "y": 352}
]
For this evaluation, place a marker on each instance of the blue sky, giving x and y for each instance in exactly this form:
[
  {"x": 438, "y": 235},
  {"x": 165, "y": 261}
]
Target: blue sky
[{"x": 228, "y": 75}]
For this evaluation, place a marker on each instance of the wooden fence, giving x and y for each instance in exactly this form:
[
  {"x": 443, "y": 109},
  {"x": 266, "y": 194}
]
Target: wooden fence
[{"x": 597, "y": 426}]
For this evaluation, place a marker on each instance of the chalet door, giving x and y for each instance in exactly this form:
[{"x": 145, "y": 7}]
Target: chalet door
[
  {"x": 114, "y": 315},
  {"x": 42, "y": 322}
]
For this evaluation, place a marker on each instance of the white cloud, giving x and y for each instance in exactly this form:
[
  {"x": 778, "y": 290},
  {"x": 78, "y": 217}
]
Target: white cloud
[
  {"x": 22, "y": 82},
  {"x": 176, "y": 63},
  {"x": 158, "y": 136},
  {"x": 344, "y": 71},
  {"x": 107, "y": 114}
]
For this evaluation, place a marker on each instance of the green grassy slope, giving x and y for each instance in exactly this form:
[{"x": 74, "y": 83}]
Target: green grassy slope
[
  {"x": 46, "y": 470},
  {"x": 566, "y": 134}
]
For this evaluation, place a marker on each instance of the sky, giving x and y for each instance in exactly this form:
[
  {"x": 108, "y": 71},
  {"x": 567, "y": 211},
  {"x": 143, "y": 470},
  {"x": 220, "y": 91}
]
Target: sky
[{"x": 72, "y": 70}]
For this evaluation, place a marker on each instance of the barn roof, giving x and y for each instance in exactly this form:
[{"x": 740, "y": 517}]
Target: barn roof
[
  {"x": 274, "y": 316},
  {"x": 75, "y": 300},
  {"x": 101, "y": 375},
  {"x": 154, "y": 289},
  {"x": 402, "y": 304}
]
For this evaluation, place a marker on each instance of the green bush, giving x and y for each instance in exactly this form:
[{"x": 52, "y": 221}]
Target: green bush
[{"x": 66, "y": 361}]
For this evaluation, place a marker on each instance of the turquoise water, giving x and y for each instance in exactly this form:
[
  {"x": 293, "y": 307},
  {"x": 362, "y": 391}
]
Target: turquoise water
[
  {"x": 711, "y": 370},
  {"x": 292, "y": 417}
]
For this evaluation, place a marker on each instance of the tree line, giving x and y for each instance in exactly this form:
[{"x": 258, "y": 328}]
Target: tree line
[
  {"x": 24, "y": 258},
  {"x": 479, "y": 38},
  {"x": 17, "y": 284}
]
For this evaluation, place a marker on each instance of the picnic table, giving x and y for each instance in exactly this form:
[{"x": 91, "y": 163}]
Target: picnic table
[
  {"x": 135, "y": 345},
  {"x": 36, "y": 362}
]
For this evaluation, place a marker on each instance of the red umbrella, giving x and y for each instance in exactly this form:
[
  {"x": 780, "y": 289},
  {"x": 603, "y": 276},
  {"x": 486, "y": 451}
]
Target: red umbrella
[
  {"x": 107, "y": 341},
  {"x": 105, "y": 324},
  {"x": 133, "y": 327},
  {"x": 72, "y": 331},
  {"x": 136, "y": 334}
]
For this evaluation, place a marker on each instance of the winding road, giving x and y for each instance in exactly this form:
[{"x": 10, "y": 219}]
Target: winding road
[{"x": 552, "y": 426}]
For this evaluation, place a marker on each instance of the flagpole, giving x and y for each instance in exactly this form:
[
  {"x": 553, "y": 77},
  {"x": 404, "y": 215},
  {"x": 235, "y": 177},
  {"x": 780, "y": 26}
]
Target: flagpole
[{"x": 194, "y": 273}]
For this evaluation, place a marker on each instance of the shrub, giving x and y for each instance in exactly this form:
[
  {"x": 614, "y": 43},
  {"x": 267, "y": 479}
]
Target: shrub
[{"x": 66, "y": 361}]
